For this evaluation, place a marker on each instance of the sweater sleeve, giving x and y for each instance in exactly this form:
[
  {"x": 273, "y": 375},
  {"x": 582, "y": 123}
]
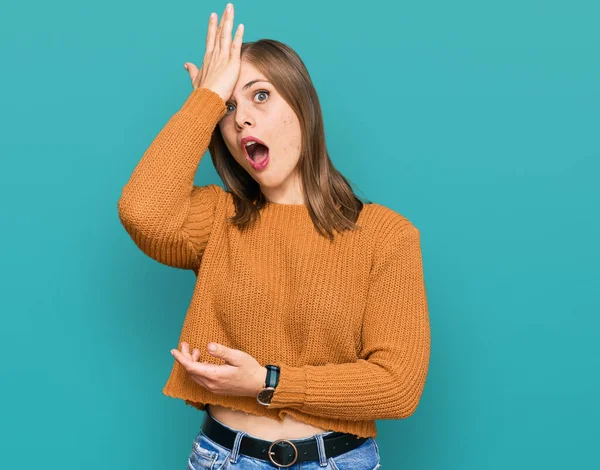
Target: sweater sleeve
[
  {"x": 387, "y": 381},
  {"x": 168, "y": 217}
]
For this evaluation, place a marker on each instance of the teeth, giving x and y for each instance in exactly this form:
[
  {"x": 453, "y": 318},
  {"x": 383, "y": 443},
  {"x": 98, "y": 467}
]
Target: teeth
[{"x": 250, "y": 143}]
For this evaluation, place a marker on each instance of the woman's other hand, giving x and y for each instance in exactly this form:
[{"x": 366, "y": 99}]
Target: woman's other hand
[{"x": 241, "y": 376}]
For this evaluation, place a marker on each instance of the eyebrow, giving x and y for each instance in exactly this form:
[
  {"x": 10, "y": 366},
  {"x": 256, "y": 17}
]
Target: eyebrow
[
  {"x": 252, "y": 82},
  {"x": 249, "y": 84}
]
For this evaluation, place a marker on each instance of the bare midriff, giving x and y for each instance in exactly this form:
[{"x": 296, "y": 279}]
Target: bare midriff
[{"x": 263, "y": 426}]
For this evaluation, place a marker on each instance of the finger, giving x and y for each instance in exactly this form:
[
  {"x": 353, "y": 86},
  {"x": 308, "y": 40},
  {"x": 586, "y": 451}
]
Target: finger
[
  {"x": 185, "y": 350},
  {"x": 230, "y": 355},
  {"x": 226, "y": 31},
  {"x": 192, "y": 69},
  {"x": 217, "y": 47},
  {"x": 195, "y": 354},
  {"x": 185, "y": 361},
  {"x": 212, "y": 29},
  {"x": 223, "y": 17},
  {"x": 236, "y": 45},
  {"x": 198, "y": 368},
  {"x": 179, "y": 357}
]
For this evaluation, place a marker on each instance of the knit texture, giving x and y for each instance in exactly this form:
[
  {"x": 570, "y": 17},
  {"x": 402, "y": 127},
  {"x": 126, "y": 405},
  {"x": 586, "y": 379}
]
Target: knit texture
[{"x": 346, "y": 321}]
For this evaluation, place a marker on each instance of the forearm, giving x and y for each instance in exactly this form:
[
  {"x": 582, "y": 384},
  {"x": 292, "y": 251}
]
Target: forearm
[
  {"x": 355, "y": 391},
  {"x": 155, "y": 201}
]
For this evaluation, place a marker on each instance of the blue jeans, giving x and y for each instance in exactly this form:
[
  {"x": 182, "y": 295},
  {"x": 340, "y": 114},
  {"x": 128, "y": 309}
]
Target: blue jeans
[{"x": 208, "y": 455}]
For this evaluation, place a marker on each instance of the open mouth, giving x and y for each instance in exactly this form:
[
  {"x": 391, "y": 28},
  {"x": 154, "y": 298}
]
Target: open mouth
[{"x": 256, "y": 152}]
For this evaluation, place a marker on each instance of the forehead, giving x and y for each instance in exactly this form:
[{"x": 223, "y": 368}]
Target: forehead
[
  {"x": 247, "y": 68},
  {"x": 248, "y": 73}
]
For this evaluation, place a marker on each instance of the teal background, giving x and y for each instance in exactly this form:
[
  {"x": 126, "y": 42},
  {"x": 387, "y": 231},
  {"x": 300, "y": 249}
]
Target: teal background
[{"x": 477, "y": 120}]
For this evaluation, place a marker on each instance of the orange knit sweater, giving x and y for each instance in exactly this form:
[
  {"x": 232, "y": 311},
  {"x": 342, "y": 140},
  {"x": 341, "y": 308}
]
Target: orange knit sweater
[{"x": 346, "y": 321}]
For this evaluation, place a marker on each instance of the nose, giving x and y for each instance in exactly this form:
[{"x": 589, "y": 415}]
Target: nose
[{"x": 243, "y": 117}]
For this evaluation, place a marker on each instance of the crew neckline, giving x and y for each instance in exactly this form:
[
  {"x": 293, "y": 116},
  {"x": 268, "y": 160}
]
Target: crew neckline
[{"x": 284, "y": 205}]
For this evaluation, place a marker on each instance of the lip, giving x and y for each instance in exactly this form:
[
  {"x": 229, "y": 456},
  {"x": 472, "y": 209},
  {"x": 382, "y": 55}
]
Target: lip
[
  {"x": 251, "y": 138},
  {"x": 248, "y": 139}
]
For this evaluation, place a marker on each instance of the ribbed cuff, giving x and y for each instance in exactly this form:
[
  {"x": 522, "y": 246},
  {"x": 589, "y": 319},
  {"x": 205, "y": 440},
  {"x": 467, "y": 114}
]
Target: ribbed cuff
[
  {"x": 291, "y": 389},
  {"x": 205, "y": 103}
]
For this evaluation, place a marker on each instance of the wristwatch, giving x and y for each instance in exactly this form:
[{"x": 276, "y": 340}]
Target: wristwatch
[{"x": 271, "y": 381}]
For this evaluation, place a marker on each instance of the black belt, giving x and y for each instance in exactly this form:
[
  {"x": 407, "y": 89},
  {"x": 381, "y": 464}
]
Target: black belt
[{"x": 281, "y": 452}]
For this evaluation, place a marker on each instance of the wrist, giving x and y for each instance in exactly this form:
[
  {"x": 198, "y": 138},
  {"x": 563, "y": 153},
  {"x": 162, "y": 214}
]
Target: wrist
[
  {"x": 271, "y": 380},
  {"x": 260, "y": 380}
]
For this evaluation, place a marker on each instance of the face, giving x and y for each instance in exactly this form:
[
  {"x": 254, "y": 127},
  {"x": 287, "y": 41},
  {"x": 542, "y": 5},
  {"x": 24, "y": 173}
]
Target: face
[{"x": 259, "y": 111}]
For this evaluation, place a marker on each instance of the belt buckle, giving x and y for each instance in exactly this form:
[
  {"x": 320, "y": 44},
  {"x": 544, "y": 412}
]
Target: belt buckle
[{"x": 271, "y": 453}]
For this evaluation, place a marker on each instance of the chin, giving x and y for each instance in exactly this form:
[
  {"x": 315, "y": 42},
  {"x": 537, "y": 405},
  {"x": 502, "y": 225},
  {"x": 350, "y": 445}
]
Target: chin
[{"x": 267, "y": 180}]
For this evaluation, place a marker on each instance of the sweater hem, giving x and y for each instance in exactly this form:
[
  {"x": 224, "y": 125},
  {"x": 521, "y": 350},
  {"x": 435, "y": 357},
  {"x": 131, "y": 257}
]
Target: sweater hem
[{"x": 366, "y": 428}]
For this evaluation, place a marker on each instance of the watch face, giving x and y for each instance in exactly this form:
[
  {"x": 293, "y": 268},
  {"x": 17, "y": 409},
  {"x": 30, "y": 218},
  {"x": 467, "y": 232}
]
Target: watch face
[{"x": 265, "y": 395}]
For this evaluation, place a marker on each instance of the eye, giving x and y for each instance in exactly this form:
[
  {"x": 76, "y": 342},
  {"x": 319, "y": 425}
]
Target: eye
[
  {"x": 262, "y": 92},
  {"x": 258, "y": 92}
]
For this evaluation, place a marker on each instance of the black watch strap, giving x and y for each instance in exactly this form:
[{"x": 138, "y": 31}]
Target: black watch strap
[{"x": 272, "y": 375}]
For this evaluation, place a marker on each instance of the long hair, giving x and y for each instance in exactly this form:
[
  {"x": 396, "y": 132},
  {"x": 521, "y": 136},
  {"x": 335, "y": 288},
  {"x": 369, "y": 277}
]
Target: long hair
[{"x": 330, "y": 200}]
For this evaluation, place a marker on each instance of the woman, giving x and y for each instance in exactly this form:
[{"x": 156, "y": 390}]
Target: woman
[{"x": 317, "y": 333}]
